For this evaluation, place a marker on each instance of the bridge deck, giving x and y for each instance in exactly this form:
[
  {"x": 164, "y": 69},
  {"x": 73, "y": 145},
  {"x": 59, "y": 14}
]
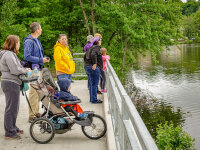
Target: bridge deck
[{"x": 72, "y": 140}]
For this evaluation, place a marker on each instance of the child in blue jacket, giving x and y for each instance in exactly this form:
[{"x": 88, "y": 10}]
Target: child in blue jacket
[
  {"x": 65, "y": 87},
  {"x": 65, "y": 95}
]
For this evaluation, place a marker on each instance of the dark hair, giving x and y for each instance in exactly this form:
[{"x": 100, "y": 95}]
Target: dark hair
[
  {"x": 11, "y": 43},
  {"x": 34, "y": 26}
]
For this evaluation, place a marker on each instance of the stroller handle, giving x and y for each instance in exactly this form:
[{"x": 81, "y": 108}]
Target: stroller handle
[{"x": 25, "y": 78}]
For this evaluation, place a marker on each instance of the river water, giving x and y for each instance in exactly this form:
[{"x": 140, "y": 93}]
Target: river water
[{"x": 175, "y": 81}]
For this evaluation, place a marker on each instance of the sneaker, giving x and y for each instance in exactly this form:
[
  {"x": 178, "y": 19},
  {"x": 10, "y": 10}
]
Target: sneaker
[
  {"x": 103, "y": 91},
  {"x": 82, "y": 115},
  {"x": 15, "y": 137},
  {"x": 97, "y": 102},
  {"x": 30, "y": 120}
]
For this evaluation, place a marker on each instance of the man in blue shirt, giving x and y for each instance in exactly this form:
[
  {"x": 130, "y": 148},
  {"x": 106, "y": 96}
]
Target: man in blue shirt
[{"x": 33, "y": 53}]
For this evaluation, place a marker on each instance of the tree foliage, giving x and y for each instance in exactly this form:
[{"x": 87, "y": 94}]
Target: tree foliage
[
  {"x": 173, "y": 138},
  {"x": 191, "y": 21},
  {"x": 128, "y": 27},
  {"x": 190, "y": 7}
]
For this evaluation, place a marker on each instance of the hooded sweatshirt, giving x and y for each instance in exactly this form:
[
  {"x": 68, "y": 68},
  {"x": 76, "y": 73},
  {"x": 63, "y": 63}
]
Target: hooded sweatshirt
[
  {"x": 10, "y": 67},
  {"x": 63, "y": 59},
  {"x": 64, "y": 94}
]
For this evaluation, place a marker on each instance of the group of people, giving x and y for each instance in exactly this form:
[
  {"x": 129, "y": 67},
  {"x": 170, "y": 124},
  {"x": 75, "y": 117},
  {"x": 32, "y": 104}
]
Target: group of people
[
  {"x": 10, "y": 67},
  {"x": 95, "y": 65}
]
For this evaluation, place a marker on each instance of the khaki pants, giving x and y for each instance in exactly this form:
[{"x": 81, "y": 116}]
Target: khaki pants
[{"x": 34, "y": 102}]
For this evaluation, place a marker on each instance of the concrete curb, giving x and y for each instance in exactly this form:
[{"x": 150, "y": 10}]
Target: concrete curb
[{"x": 111, "y": 144}]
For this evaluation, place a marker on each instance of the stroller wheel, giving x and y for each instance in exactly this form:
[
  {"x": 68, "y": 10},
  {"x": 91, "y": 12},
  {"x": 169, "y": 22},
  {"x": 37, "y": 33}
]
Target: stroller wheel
[
  {"x": 97, "y": 129},
  {"x": 42, "y": 130}
]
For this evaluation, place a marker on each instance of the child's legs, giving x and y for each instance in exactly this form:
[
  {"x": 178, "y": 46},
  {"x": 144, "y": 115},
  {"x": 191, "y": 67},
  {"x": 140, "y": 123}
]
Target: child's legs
[
  {"x": 70, "y": 109},
  {"x": 102, "y": 84},
  {"x": 68, "y": 76},
  {"x": 103, "y": 79}
]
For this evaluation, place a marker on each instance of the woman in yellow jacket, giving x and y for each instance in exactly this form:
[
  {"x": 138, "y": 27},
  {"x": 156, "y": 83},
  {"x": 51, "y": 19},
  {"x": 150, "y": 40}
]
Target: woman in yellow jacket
[{"x": 64, "y": 63}]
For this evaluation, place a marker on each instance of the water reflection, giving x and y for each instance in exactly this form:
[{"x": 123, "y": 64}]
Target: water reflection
[
  {"x": 152, "y": 110},
  {"x": 185, "y": 60},
  {"x": 174, "y": 81}
]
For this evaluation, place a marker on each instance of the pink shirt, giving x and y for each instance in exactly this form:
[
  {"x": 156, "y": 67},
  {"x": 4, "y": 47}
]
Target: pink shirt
[{"x": 104, "y": 61}]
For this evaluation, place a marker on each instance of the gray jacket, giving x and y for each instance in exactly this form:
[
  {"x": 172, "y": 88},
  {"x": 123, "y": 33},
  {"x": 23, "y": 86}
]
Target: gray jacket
[{"x": 10, "y": 67}]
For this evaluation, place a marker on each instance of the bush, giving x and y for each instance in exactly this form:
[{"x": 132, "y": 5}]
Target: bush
[{"x": 173, "y": 138}]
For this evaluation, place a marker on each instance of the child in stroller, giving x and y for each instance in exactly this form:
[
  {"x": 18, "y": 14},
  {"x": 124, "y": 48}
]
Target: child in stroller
[{"x": 65, "y": 95}]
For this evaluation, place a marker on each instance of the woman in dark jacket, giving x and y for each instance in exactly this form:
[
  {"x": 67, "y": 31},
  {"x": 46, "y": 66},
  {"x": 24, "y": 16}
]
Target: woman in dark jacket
[
  {"x": 93, "y": 65},
  {"x": 10, "y": 83}
]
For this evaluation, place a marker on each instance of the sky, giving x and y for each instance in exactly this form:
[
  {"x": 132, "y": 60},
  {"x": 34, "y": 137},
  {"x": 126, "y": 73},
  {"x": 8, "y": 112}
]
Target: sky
[{"x": 185, "y": 1}]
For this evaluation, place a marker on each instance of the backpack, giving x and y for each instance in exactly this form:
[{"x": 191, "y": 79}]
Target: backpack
[{"x": 59, "y": 123}]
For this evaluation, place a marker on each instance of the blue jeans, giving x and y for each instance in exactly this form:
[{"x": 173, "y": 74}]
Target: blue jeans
[
  {"x": 93, "y": 77},
  {"x": 68, "y": 76}
]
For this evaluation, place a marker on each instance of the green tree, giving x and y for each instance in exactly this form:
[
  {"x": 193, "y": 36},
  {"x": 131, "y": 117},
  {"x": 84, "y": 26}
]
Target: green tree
[
  {"x": 190, "y": 24},
  {"x": 56, "y": 17},
  {"x": 196, "y": 18},
  {"x": 190, "y": 7},
  {"x": 189, "y": 28},
  {"x": 9, "y": 24},
  {"x": 128, "y": 27},
  {"x": 173, "y": 138}
]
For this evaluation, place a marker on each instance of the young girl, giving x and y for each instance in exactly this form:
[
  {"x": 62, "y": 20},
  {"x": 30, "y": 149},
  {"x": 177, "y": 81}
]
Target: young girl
[{"x": 103, "y": 76}]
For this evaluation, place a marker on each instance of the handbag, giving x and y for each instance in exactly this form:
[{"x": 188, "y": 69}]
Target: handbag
[{"x": 24, "y": 87}]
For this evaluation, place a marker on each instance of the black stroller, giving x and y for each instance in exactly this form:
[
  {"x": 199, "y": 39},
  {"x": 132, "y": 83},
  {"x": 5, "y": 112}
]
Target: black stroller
[{"x": 55, "y": 118}]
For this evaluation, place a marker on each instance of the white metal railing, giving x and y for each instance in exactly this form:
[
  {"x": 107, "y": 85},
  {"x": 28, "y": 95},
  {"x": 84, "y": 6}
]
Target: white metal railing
[
  {"x": 79, "y": 68},
  {"x": 129, "y": 129}
]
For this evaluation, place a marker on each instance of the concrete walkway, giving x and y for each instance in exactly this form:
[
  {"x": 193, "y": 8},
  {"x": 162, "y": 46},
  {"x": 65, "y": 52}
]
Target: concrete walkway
[{"x": 72, "y": 140}]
